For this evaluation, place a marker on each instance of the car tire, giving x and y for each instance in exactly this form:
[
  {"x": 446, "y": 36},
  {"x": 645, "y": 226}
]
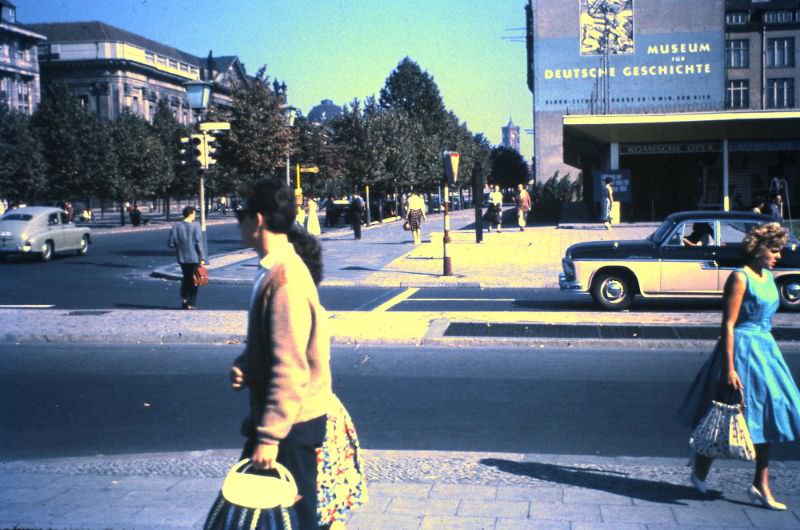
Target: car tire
[
  {"x": 84, "y": 247},
  {"x": 612, "y": 290},
  {"x": 47, "y": 251},
  {"x": 789, "y": 292}
]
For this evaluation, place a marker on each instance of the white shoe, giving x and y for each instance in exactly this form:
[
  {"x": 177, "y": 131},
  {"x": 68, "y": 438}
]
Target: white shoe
[
  {"x": 759, "y": 498},
  {"x": 699, "y": 485}
]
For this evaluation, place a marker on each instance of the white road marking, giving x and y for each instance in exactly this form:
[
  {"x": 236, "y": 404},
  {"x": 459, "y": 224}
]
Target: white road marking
[
  {"x": 396, "y": 300},
  {"x": 22, "y": 306}
]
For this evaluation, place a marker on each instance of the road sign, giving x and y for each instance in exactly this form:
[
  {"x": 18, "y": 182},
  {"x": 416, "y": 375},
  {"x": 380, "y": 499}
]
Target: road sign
[
  {"x": 215, "y": 126},
  {"x": 450, "y": 161}
]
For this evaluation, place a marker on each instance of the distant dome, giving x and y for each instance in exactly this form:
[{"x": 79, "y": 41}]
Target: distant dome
[{"x": 325, "y": 111}]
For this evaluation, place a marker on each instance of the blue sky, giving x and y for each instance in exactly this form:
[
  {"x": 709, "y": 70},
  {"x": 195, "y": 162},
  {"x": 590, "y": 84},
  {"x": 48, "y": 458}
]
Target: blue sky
[{"x": 341, "y": 49}]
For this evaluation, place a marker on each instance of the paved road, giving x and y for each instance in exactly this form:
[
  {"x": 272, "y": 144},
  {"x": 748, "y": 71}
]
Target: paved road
[{"x": 84, "y": 400}]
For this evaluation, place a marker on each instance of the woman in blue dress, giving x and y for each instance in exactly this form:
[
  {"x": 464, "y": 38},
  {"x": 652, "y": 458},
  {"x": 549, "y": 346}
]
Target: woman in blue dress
[{"x": 748, "y": 359}]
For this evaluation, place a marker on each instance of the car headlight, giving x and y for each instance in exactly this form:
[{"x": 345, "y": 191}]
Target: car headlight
[{"x": 24, "y": 236}]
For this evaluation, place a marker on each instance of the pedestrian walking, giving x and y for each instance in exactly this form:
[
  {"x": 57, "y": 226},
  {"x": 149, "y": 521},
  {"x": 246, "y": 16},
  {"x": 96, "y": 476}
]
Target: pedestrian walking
[
  {"x": 295, "y": 419},
  {"x": 496, "y": 200},
  {"x": 607, "y": 203},
  {"x": 356, "y": 214},
  {"x": 415, "y": 214},
  {"x": 187, "y": 239},
  {"x": 747, "y": 360},
  {"x": 312, "y": 217},
  {"x": 523, "y": 206}
]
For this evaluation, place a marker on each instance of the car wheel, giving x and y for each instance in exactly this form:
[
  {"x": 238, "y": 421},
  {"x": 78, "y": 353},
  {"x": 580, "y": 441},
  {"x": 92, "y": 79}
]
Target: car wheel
[
  {"x": 612, "y": 290},
  {"x": 84, "y": 248},
  {"x": 47, "y": 251},
  {"x": 789, "y": 289}
]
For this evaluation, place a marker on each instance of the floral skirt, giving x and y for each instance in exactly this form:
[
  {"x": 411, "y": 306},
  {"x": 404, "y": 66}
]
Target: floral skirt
[{"x": 341, "y": 483}]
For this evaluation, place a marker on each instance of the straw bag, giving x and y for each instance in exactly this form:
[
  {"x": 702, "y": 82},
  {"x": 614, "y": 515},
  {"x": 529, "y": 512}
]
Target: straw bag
[
  {"x": 252, "y": 499},
  {"x": 723, "y": 433}
]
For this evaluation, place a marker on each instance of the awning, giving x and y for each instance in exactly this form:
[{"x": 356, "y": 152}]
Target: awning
[{"x": 588, "y": 134}]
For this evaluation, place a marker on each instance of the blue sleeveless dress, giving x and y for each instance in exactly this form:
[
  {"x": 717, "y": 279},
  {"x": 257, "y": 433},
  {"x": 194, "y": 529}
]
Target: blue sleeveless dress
[{"x": 772, "y": 400}]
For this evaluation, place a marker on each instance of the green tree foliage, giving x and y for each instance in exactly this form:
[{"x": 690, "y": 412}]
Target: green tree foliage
[
  {"x": 554, "y": 193},
  {"x": 314, "y": 146},
  {"x": 23, "y": 172},
  {"x": 179, "y": 180},
  {"x": 259, "y": 139},
  {"x": 408, "y": 88},
  {"x": 63, "y": 127},
  {"x": 143, "y": 162},
  {"x": 508, "y": 168}
]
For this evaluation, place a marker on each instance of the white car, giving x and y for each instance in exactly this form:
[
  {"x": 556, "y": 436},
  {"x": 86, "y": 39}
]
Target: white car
[{"x": 42, "y": 231}]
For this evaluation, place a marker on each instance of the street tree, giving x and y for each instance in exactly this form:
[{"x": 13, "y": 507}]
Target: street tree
[
  {"x": 259, "y": 139},
  {"x": 180, "y": 181},
  {"x": 23, "y": 171},
  {"x": 62, "y": 126},
  {"x": 508, "y": 167}
]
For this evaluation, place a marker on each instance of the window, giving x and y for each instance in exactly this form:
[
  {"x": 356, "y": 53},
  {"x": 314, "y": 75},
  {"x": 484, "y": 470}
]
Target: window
[
  {"x": 150, "y": 57},
  {"x": 737, "y": 53},
  {"x": 733, "y": 232},
  {"x": 184, "y": 67},
  {"x": 778, "y": 16},
  {"x": 52, "y": 219},
  {"x": 736, "y": 18},
  {"x": 737, "y": 94},
  {"x": 693, "y": 233},
  {"x": 780, "y": 52},
  {"x": 64, "y": 218},
  {"x": 162, "y": 60},
  {"x": 780, "y": 93},
  {"x": 173, "y": 63},
  {"x": 83, "y": 100}
]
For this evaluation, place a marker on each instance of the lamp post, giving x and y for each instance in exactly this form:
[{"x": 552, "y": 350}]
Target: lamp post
[
  {"x": 289, "y": 114},
  {"x": 199, "y": 95}
]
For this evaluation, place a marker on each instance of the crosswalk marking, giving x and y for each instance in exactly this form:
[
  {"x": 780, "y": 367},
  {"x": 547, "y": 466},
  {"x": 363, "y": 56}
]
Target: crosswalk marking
[{"x": 396, "y": 300}]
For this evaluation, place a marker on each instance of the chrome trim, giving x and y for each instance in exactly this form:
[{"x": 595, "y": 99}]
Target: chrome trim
[
  {"x": 568, "y": 285},
  {"x": 791, "y": 291},
  {"x": 709, "y": 266}
]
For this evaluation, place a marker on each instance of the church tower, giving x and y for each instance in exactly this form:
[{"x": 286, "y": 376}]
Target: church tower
[{"x": 511, "y": 135}]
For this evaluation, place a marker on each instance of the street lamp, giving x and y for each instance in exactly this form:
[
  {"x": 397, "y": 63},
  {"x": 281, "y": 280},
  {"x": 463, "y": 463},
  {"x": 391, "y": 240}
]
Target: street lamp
[
  {"x": 199, "y": 95},
  {"x": 289, "y": 114}
]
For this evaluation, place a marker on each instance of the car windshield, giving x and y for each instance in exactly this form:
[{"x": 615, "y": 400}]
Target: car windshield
[
  {"x": 17, "y": 217},
  {"x": 661, "y": 232}
]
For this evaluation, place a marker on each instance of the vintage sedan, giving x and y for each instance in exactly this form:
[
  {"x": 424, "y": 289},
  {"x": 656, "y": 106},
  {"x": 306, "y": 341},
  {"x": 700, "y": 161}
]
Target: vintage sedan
[
  {"x": 42, "y": 231},
  {"x": 690, "y": 255}
]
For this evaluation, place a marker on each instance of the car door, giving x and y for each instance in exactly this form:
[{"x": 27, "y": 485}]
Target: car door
[
  {"x": 729, "y": 253},
  {"x": 686, "y": 269},
  {"x": 69, "y": 234},
  {"x": 54, "y": 231}
]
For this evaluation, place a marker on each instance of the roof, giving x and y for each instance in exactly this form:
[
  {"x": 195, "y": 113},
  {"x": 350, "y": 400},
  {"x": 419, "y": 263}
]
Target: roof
[
  {"x": 717, "y": 214},
  {"x": 92, "y": 31},
  {"x": 35, "y": 210},
  {"x": 325, "y": 111},
  {"x": 221, "y": 64}
]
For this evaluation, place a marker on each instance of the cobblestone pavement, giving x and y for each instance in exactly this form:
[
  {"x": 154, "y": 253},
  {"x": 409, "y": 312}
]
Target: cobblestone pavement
[{"x": 419, "y": 490}]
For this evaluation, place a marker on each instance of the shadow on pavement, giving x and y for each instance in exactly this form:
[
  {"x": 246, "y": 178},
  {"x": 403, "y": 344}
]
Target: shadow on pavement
[
  {"x": 145, "y": 253},
  {"x": 609, "y": 481},
  {"x": 146, "y": 306}
]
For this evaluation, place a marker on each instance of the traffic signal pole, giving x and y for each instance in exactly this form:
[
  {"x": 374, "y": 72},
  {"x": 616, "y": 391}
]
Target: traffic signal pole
[{"x": 450, "y": 162}]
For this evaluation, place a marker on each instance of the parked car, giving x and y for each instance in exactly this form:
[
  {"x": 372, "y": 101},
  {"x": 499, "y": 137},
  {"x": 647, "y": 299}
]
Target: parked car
[
  {"x": 666, "y": 264},
  {"x": 42, "y": 230}
]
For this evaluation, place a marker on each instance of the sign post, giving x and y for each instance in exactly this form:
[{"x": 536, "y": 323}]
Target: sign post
[{"x": 450, "y": 162}]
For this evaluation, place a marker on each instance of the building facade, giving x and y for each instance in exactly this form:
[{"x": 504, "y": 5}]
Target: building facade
[
  {"x": 111, "y": 70},
  {"x": 19, "y": 64},
  {"x": 687, "y": 103},
  {"x": 510, "y": 136}
]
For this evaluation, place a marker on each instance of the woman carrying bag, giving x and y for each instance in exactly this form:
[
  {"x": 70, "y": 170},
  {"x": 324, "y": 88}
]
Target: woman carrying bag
[
  {"x": 415, "y": 216},
  {"x": 748, "y": 362},
  {"x": 295, "y": 419}
]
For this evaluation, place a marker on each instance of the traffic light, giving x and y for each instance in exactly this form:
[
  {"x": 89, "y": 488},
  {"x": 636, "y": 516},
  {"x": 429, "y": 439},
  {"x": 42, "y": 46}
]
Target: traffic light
[
  {"x": 211, "y": 149},
  {"x": 199, "y": 150}
]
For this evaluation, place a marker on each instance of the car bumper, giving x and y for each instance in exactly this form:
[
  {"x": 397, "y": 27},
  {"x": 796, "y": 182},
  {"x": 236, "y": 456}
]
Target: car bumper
[{"x": 566, "y": 284}]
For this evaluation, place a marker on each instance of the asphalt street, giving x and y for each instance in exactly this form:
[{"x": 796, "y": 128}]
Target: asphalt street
[
  {"x": 116, "y": 275},
  {"x": 67, "y": 400}
]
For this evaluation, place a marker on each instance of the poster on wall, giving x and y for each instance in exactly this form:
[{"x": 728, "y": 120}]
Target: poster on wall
[
  {"x": 609, "y": 64},
  {"x": 620, "y": 183},
  {"x": 606, "y": 26}
]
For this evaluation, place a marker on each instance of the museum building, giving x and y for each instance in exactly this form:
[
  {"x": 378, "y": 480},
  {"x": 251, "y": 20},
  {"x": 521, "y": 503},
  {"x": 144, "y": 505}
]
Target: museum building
[{"x": 684, "y": 104}]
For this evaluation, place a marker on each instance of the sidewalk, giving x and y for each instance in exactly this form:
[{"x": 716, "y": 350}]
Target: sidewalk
[{"x": 408, "y": 490}]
